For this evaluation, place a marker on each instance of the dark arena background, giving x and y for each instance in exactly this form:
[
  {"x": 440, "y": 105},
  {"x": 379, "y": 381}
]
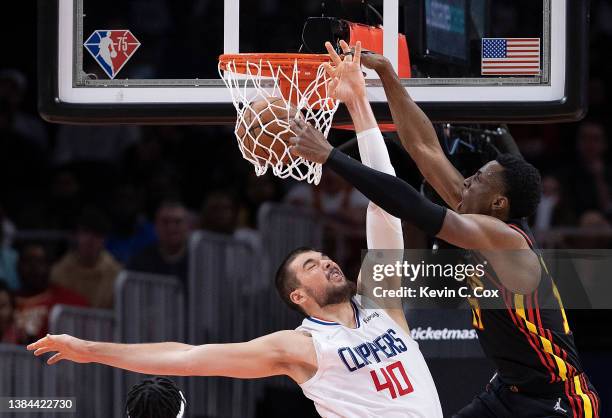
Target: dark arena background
[{"x": 159, "y": 230}]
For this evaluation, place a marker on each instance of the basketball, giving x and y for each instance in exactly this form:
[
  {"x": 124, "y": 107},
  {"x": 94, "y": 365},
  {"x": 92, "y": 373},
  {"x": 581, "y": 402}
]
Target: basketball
[{"x": 264, "y": 130}]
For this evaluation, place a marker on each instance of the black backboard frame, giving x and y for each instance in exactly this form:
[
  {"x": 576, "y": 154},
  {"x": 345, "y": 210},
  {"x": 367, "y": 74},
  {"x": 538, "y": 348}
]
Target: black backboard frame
[{"x": 570, "y": 108}]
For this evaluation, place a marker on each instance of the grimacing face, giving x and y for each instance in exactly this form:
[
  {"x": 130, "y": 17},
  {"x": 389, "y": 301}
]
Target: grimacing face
[
  {"x": 483, "y": 191},
  {"x": 321, "y": 280}
]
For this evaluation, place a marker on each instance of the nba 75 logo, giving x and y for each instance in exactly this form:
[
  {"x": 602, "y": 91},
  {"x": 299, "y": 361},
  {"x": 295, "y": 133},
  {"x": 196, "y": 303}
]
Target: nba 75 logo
[{"x": 112, "y": 49}]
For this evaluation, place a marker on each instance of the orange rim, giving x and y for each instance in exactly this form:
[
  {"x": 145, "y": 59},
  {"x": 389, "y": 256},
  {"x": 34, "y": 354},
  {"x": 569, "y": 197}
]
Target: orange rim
[
  {"x": 384, "y": 127},
  {"x": 309, "y": 62}
]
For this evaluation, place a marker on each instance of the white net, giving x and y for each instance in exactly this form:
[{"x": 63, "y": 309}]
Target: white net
[{"x": 267, "y": 96}]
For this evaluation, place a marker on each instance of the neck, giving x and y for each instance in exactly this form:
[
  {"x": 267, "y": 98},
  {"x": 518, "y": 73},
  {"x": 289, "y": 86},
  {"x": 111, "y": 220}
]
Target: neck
[
  {"x": 88, "y": 262},
  {"x": 505, "y": 216},
  {"x": 172, "y": 252},
  {"x": 341, "y": 313},
  {"x": 502, "y": 215}
]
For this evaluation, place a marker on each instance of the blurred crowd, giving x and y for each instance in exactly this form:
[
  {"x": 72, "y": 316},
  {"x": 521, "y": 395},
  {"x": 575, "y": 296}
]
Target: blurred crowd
[{"x": 80, "y": 203}]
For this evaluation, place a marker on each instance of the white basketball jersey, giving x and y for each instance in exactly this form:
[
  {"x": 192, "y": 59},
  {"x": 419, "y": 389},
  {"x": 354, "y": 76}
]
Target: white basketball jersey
[{"x": 374, "y": 370}]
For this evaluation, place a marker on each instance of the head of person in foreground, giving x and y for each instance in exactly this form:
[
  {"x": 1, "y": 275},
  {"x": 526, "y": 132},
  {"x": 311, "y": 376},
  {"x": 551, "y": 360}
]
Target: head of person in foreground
[
  {"x": 308, "y": 281},
  {"x": 507, "y": 188},
  {"x": 156, "y": 397}
]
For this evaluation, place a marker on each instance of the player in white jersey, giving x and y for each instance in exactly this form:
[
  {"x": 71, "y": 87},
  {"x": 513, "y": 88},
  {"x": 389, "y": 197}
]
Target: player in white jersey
[
  {"x": 352, "y": 358},
  {"x": 373, "y": 369}
]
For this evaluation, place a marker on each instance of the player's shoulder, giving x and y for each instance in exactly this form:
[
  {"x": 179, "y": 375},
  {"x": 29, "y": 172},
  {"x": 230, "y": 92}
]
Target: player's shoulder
[
  {"x": 506, "y": 237},
  {"x": 363, "y": 302},
  {"x": 291, "y": 336},
  {"x": 487, "y": 219},
  {"x": 372, "y": 313},
  {"x": 293, "y": 346}
]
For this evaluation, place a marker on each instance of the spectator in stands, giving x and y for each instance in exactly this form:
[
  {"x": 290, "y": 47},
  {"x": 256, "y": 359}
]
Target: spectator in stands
[
  {"x": 91, "y": 143},
  {"x": 333, "y": 197},
  {"x": 540, "y": 145},
  {"x": 13, "y": 86},
  {"x": 150, "y": 164},
  {"x": 161, "y": 186},
  {"x": 8, "y": 263},
  {"x": 89, "y": 269},
  {"x": 131, "y": 231},
  {"x": 65, "y": 200},
  {"x": 154, "y": 153},
  {"x": 590, "y": 178},
  {"x": 62, "y": 204},
  {"x": 37, "y": 295},
  {"x": 259, "y": 190},
  {"x": 9, "y": 333},
  {"x": 554, "y": 208},
  {"x": 220, "y": 213},
  {"x": 22, "y": 166},
  {"x": 157, "y": 397},
  {"x": 595, "y": 232},
  {"x": 7, "y": 229},
  {"x": 169, "y": 256}
]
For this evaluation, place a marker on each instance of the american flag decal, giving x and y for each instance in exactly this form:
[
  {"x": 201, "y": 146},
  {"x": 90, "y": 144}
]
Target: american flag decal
[{"x": 511, "y": 56}]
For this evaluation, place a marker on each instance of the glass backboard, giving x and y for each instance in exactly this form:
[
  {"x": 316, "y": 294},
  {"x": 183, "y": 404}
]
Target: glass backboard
[{"x": 155, "y": 61}]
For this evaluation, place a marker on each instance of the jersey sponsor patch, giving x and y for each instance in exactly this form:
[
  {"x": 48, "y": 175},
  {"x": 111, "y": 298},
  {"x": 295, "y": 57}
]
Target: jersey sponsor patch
[
  {"x": 370, "y": 317},
  {"x": 112, "y": 49}
]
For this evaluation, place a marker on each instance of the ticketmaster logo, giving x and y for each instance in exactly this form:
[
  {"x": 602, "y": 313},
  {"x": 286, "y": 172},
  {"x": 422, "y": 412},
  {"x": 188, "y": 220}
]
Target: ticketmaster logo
[{"x": 443, "y": 334}]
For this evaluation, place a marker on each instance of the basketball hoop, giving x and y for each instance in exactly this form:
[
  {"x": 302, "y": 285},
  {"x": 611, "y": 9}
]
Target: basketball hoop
[{"x": 268, "y": 91}]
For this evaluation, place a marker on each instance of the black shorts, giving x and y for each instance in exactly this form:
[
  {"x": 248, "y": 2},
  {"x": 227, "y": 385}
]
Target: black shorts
[{"x": 576, "y": 399}]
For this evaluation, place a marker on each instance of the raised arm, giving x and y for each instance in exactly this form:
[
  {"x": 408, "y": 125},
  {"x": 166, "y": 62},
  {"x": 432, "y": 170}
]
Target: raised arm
[
  {"x": 401, "y": 200},
  {"x": 383, "y": 231},
  {"x": 281, "y": 353},
  {"x": 348, "y": 85},
  {"x": 417, "y": 133}
]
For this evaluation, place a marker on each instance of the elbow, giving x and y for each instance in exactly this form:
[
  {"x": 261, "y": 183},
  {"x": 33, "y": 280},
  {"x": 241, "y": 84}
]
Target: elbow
[{"x": 183, "y": 362}]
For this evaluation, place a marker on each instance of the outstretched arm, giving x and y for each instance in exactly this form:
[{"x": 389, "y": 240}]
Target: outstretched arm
[
  {"x": 417, "y": 133},
  {"x": 348, "y": 85},
  {"x": 269, "y": 355},
  {"x": 401, "y": 200}
]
